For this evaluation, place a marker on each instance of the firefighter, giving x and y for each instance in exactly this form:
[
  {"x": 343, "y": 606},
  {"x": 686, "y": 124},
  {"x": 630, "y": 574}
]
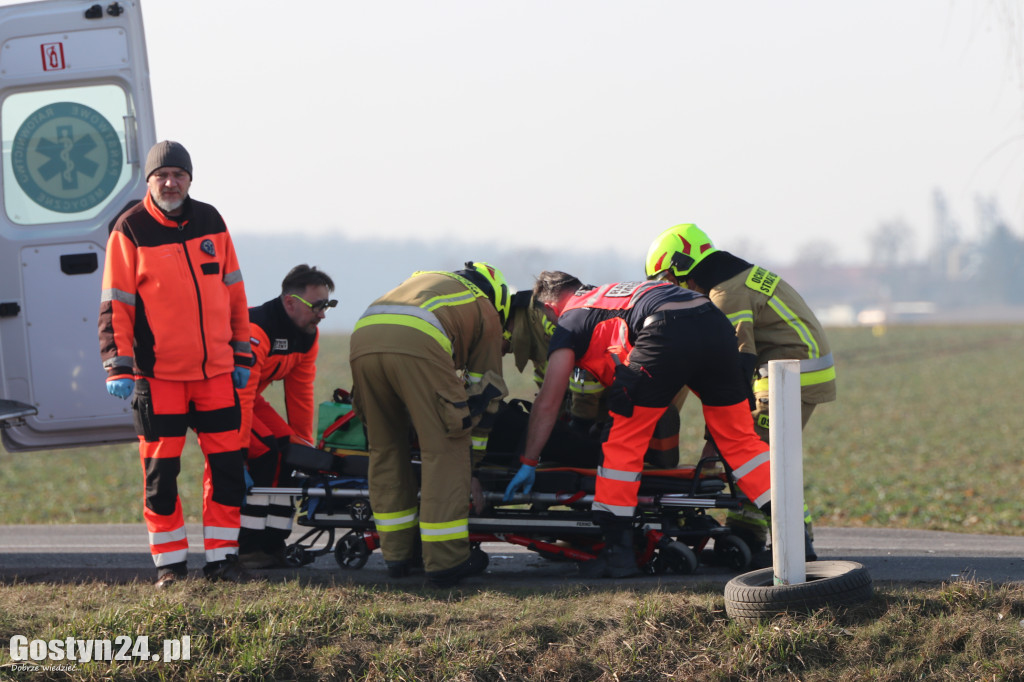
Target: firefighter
[
  {"x": 428, "y": 355},
  {"x": 772, "y": 322},
  {"x": 645, "y": 341},
  {"x": 174, "y": 327},
  {"x": 285, "y": 344}
]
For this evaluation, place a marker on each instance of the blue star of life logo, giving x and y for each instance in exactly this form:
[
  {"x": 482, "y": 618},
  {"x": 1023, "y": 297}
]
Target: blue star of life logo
[{"x": 67, "y": 157}]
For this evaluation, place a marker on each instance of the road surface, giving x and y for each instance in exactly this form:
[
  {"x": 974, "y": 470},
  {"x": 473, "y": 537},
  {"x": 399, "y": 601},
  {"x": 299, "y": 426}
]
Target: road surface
[{"x": 119, "y": 553}]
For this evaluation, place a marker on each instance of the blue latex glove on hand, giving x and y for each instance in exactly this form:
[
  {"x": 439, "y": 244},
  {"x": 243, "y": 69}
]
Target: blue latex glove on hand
[
  {"x": 121, "y": 388},
  {"x": 240, "y": 376},
  {"x": 248, "y": 479},
  {"x": 524, "y": 479}
]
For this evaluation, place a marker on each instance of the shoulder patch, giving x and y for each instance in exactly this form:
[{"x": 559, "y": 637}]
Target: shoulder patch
[{"x": 762, "y": 280}]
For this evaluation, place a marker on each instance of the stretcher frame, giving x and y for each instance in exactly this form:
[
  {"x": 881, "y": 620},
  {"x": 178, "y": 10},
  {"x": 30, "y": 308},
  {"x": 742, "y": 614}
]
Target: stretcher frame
[{"x": 671, "y": 525}]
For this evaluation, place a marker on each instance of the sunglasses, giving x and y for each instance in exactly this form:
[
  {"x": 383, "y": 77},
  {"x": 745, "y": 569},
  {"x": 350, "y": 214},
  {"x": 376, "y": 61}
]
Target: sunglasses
[{"x": 317, "y": 306}]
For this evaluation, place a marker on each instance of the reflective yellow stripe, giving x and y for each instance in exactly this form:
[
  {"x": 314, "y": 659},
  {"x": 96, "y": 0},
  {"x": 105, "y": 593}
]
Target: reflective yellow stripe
[
  {"x": 408, "y": 321},
  {"x": 447, "y": 530},
  {"x": 820, "y": 376},
  {"x": 387, "y": 522},
  {"x": 585, "y": 387},
  {"x": 457, "y": 298},
  {"x": 741, "y": 316},
  {"x": 474, "y": 289},
  {"x": 794, "y": 321}
]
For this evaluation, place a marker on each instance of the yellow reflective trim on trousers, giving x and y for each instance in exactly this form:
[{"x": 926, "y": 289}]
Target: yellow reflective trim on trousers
[
  {"x": 446, "y": 530},
  {"x": 387, "y": 522},
  {"x": 408, "y": 321},
  {"x": 794, "y": 321}
]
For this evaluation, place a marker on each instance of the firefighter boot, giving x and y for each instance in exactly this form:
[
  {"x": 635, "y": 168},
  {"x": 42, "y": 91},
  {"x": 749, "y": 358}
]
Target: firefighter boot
[
  {"x": 617, "y": 559},
  {"x": 449, "y": 577}
]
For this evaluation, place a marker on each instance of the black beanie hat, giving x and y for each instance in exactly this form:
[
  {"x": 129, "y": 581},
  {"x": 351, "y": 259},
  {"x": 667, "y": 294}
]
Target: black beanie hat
[{"x": 168, "y": 153}]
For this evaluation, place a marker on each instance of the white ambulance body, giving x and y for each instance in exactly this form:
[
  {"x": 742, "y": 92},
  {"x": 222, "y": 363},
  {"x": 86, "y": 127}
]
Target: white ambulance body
[{"x": 76, "y": 121}]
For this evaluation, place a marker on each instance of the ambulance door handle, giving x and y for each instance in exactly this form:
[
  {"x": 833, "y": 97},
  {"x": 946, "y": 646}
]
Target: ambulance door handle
[
  {"x": 9, "y": 309},
  {"x": 79, "y": 263}
]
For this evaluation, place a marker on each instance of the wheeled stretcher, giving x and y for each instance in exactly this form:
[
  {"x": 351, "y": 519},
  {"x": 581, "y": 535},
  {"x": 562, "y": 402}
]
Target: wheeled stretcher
[{"x": 671, "y": 525}]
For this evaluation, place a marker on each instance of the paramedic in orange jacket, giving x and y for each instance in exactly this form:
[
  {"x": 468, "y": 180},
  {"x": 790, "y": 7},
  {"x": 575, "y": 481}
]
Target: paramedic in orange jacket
[
  {"x": 285, "y": 343},
  {"x": 174, "y": 327},
  {"x": 645, "y": 341}
]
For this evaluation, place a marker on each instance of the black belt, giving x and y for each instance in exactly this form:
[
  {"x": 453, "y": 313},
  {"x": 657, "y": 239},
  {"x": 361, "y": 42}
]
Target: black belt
[{"x": 662, "y": 315}]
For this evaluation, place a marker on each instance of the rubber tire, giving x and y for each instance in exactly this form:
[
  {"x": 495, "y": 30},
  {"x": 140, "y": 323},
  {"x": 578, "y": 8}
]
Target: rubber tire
[
  {"x": 753, "y": 596},
  {"x": 351, "y": 552},
  {"x": 732, "y": 551},
  {"x": 679, "y": 558}
]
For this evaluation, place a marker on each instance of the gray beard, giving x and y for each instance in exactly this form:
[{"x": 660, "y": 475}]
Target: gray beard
[{"x": 168, "y": 206}]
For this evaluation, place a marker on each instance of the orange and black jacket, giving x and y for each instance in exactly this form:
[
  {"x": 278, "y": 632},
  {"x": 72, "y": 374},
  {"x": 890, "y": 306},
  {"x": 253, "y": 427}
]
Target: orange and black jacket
[
  {"x": 281, "y": 352},
  {"x": 173, "y": 302}
]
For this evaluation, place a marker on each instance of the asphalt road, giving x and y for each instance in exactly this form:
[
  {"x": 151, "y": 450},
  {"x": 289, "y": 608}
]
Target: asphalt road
[{"x": 119, "y": 553}]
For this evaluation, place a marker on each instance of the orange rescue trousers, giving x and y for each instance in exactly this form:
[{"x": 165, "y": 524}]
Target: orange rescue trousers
[{"x": 164, "y": 411}]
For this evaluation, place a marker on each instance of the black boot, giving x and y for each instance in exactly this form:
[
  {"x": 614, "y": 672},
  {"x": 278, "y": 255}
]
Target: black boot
[
  {"x": 618, "y": 558},
  {"x": 449, "y": 577}
]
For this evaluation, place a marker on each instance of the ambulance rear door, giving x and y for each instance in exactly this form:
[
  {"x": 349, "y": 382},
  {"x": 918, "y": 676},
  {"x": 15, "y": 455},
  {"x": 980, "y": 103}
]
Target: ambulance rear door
[{"x": 76, "y": 117}]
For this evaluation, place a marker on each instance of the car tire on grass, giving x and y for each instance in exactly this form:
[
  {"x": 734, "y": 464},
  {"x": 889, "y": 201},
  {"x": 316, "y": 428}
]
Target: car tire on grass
[{"x": 754, "y": 596}]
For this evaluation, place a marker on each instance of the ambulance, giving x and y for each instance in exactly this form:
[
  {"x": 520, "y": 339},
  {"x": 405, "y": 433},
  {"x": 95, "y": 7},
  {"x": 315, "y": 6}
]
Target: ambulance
[{"x": 76, "y": 120}]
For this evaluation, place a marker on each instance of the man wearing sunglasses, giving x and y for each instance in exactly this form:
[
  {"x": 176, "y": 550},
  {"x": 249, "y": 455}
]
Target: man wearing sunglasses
[{"x": 285, "y": 343}]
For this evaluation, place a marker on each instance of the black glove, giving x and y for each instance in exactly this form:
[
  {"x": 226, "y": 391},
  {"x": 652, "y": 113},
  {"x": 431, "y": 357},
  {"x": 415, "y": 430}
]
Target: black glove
[{"x": 619, "y": 397}]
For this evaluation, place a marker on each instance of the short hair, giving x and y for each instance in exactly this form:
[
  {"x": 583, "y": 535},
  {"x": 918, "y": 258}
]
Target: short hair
[
  {"x": 302, "y": 276},
  {"x": 551, "y": 284}
]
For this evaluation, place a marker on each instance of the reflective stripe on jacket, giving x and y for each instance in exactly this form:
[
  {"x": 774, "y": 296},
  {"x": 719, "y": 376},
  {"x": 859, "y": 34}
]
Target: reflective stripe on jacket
[
  {"x": 773, "y": 322},
  {"x": 173, "y": 303}
]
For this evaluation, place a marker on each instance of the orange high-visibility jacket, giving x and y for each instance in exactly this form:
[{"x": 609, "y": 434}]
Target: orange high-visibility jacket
[
  {"x": 281, "y": 352},
  {"x": 173, "y": 302}
]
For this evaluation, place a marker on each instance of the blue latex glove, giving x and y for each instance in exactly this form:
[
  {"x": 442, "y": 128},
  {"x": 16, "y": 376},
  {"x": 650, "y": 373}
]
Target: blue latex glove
[
  {"x": 121, "y": 388},
  {"x": 524, "y": 479},
  {"x": 240, "y": 376},
  {"x": 248, "y": 479}
]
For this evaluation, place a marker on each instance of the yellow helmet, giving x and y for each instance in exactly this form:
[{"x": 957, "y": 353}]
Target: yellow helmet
[
  {"x": 499, "y": 292},
  {"x": 678, "y": 250}
]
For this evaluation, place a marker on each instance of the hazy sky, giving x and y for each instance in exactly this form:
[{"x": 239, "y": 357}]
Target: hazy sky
[{"x": 591, "y": 124}]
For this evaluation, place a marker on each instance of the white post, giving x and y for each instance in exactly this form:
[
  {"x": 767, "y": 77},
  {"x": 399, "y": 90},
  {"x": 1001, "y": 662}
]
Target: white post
[{"x": 787, "y": 472}]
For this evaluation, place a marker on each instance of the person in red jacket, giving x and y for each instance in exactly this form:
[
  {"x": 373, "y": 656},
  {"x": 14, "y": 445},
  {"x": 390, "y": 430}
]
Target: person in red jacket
[
  {"x": 285, "y": 344},
  {"x": 174, "y": 329},
  {"x": 644, "y": 341}
]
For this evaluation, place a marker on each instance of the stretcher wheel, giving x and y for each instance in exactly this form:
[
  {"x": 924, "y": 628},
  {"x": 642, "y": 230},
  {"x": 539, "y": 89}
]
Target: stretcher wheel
[
  {"x": 351, "y": 551},
  {"x": 754, "y": 595},
  {"x": 296, "y": 556},
  {"x": 733, "y": 552},
  {"x": 677, "y": 557}
]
